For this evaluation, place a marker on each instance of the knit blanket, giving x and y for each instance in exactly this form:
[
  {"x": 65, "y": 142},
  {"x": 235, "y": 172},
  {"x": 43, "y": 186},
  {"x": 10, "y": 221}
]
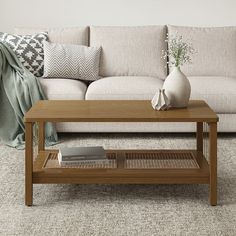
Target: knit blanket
[{"x": 19, "y": 90}]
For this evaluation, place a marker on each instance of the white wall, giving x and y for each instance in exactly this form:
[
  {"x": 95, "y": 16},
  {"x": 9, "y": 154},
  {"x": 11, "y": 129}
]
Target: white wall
[{"x": 56, "y": 13}]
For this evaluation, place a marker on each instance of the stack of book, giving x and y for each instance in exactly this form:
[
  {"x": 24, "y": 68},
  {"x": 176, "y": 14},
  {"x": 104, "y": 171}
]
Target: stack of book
[{"x": 81, "y": 155}]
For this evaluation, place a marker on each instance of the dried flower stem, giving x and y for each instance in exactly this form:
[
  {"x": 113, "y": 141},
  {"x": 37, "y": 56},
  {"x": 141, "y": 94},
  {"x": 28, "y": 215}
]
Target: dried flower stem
[{"x": 178, "y": 52}]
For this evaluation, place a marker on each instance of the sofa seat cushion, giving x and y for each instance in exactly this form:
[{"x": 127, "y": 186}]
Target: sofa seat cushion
[
  {"x": 123, "y": 88},
  {"x": 218, "y": 92},
  {"x": 63, "y": 89}
]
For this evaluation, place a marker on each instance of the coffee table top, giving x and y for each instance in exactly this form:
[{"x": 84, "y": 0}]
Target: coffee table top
[{"x": 116, "y": 111}]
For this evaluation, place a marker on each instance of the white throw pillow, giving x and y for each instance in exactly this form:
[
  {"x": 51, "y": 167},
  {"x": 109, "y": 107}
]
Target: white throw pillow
[{"x": 71, "y": 61}]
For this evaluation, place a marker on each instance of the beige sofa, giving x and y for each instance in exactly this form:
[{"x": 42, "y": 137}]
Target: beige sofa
[{"x": 131, "y": 67}]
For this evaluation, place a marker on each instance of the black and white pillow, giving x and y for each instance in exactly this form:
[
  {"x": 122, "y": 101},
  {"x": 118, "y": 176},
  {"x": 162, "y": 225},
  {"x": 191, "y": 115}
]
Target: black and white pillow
[
  {"x": 71, "y": 61},
  {"x": 29, "y": 50}
]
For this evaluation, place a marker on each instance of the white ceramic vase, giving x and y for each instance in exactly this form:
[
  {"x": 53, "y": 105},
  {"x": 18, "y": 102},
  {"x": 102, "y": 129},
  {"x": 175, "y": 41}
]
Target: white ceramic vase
[{"x": 177, "y": 88}]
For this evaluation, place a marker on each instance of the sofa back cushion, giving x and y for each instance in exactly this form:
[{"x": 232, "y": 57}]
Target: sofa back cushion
[
  {"x": 215, "y": 50},
  {"x": 74, "y": 35},
  {"x": 130, "y": 51}
]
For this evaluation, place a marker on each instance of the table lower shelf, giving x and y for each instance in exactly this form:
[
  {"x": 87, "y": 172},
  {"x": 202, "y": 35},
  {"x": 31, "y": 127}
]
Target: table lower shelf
[{"x": 127, "y": 167}]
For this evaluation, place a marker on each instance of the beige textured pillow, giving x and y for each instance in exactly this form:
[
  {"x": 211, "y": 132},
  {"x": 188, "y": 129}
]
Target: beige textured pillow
[
  {"x": 71, "y": 61},
  {"x": 68, "y": 35},
  {"x": 131, "y": 50},
  {"x": 215, "y": 50}
]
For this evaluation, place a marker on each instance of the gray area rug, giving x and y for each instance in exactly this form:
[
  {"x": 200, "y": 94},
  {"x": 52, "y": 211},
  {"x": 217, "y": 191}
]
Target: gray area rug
[{"x": 108, "y": 210}]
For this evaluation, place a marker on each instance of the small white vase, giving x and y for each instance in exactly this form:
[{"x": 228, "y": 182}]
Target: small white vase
[
  {"x": 177, "y": 88},
  {"x": 160, "y": 101}
]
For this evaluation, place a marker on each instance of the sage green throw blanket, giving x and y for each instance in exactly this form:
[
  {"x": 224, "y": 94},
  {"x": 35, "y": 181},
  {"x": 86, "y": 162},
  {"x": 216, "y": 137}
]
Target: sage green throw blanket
[{"x": 19, "y": 90}]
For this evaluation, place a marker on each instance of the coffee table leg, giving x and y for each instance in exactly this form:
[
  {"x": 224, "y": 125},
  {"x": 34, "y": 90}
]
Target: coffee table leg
[
  {"x": 200, "y": 137},
  {"x": 28, "y": 164},
  {"x": 41, "y": 145},
  {"x": 213, "y": 163}
]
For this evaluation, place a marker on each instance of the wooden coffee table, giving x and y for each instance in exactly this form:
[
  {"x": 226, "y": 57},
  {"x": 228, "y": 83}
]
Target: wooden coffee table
[{"x": 125, "y": 166}]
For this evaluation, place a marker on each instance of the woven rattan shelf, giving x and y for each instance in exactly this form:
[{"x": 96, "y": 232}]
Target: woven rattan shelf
[
  {"x": 135, "y": 160},
  {"x": 127, "y": 166}
]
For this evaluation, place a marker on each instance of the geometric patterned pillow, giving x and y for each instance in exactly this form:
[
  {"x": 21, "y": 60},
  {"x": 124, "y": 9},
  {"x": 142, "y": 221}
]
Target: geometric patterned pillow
[
  {"x": 71, "y": 61},
  {"x": 28, "y": 49}
]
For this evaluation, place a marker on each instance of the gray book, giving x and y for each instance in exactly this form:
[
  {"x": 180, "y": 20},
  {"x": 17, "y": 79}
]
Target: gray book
[{"x": 81, "y": 153}]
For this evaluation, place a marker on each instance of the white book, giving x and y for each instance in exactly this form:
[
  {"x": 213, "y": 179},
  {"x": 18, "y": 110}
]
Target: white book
[{"x": 77, "y": 155}]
